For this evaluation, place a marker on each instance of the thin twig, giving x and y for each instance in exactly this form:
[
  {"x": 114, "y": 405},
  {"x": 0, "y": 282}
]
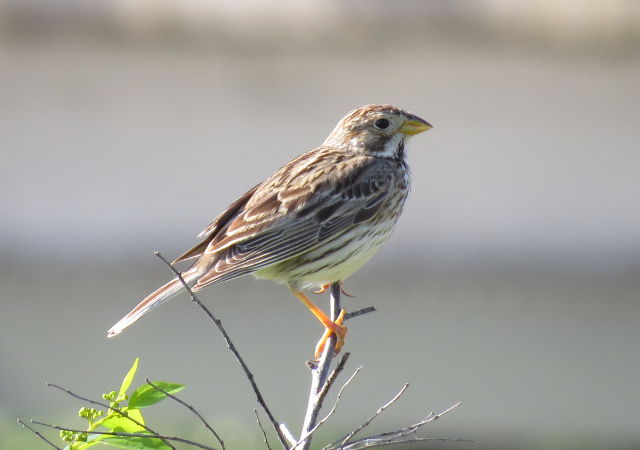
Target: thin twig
[
  {"x": 192, "y": 409},
  {"x": 413, "y": 428},
  {"x": 333, "y": 409},
  {"x": 37, "y": 433},
  {"x": 288, "y": 434},
  {"x": 319, "y": 374},
  {"x": 390, "y": 437},
  {"x": 402, "y": 441},
  {"x": 140, "y": 435},
  {"x": 106, "y": 405},
  {"x": 264, "y": 434},
  {"x": 333, "y": 376},
  {"x": 360, "y": 312},
  {"x": 376, "y": 414},
  {"x": 233, "y": 349}
]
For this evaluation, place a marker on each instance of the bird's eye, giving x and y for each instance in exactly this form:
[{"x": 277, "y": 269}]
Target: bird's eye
[{"x": 381, "y": 124}]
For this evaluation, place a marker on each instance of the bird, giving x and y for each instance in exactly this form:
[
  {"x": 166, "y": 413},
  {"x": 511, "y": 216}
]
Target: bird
[{"x": 314, "y": 222}]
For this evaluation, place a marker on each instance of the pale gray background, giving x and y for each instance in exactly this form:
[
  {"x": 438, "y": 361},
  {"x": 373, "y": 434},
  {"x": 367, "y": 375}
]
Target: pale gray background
[{"x": 512, "y": 283}]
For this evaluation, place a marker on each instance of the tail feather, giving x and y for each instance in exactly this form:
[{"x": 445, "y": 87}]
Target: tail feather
[{"x": 154, "y": 300}]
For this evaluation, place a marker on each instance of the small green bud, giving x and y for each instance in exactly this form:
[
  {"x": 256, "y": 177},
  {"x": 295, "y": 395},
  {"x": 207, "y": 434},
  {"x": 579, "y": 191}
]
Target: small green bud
[
  {"x": 90, "y": 414},
  {"x": 73, "y": 436},
  {"x": 67, "y": 436},
  {"x": 111, "y": 396}
]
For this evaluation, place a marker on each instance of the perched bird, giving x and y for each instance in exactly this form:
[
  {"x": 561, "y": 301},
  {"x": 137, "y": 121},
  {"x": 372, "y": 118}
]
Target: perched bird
[{"x": 314, "y": 222}]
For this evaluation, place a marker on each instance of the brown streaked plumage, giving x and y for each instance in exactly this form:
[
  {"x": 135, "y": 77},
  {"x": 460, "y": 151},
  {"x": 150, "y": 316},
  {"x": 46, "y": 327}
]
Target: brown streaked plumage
[{"x": 315, "y": 221}]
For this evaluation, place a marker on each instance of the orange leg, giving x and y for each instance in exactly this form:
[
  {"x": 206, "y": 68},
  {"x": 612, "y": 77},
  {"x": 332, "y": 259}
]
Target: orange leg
[{"x": 330, "y": 327}]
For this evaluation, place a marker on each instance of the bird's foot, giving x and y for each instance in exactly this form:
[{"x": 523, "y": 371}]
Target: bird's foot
[
  {"x": 325, "y": 287},
  {"x": 333, "y": 328}
]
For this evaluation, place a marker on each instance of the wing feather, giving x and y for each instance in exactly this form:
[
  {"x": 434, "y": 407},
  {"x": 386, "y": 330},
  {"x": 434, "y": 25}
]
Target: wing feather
[
  {"x": 217, "y": 225},
  {"x": 330, "y": 207}
]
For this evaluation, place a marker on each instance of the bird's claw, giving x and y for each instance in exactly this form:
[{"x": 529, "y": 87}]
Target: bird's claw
[
  {"x": 336, "y": 328},
  {"x": 325, "y": 287}
]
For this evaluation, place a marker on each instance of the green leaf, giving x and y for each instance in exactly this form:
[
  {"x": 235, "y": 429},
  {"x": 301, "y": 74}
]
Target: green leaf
[
  {"x": 120, "y": 423},
  {"x": 135, "y": 414},
  {"x": 135, "y": 443},
  {"x": 129, "y": 377},
  {"x": 147, "y": 395}
]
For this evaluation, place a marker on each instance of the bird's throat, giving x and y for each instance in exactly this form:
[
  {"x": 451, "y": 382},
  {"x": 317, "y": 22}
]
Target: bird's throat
[{"x": 393, "y": 148}]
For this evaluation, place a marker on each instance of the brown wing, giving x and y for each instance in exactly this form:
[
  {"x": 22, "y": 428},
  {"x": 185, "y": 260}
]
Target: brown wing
[
  {"x": 290, "y": 214},
  {"x": 218, "y": 223}
]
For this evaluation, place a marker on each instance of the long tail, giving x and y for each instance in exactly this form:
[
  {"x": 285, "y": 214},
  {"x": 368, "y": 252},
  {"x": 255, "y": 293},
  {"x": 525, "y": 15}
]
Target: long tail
[{"x": 154, "y": 300}]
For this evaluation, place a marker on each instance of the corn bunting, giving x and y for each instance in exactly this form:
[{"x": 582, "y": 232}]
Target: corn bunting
[{"x": 314, "y": 222}]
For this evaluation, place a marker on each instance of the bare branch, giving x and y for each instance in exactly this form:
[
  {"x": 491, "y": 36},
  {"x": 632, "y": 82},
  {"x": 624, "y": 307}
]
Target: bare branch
[
  {"x": 37, "y": 433},
  {"x": 140, "y": 435},
  {"x": 107, "y": 406},
  {"x": 288, "y": 434},
  {"x": 333, "y": 376},
  {"x": 192, "y": 409},
  {"x": 264, "y": 435},
  {"x": 332, "y": 411},
  {"x": 402, "y": 441},
  {"x": 360, "y": 312},
  {"x": 431, "y": 417},
  {"x": 233, "y": 349},
  {"x": 389, "y": 437},
  {"x": 319, "y": 374},
  {"x": 377, "y": 413}
]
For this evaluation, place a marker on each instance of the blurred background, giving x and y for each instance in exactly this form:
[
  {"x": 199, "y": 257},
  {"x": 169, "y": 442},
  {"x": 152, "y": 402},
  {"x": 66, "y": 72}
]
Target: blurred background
[{"x": 512, "y": 283}]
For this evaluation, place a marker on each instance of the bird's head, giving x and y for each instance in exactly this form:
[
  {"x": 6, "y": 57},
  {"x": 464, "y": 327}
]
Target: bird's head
[{"x": 379, "y": 130}]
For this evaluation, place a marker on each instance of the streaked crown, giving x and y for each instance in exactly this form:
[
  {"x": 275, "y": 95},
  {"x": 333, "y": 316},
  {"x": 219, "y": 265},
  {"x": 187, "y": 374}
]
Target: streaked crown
[{"x": 376, "y": 129}]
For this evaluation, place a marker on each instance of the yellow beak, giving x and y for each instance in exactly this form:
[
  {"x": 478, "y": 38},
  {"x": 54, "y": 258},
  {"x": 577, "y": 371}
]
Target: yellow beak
[{"x": 414, "y": 126}]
